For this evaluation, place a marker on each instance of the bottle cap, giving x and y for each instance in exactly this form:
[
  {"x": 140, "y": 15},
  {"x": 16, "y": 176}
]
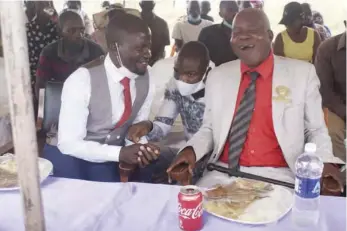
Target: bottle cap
[{"x": 310, "y": 147}]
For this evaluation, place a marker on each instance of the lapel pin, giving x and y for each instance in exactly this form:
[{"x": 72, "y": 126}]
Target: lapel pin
[{"x": 283, "y": 93}]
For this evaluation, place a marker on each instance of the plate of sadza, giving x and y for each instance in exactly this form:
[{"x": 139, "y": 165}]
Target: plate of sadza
[
  {"x": 8, "y": 171},
  {"x": 248, "y": 202}
]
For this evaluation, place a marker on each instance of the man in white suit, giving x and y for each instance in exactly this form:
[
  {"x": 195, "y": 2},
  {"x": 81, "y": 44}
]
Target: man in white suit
[{"x": 260, "y": 111}]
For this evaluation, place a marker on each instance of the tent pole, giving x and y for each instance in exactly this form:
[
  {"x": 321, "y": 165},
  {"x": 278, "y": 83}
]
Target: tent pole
[{"x": 21, "y": 107}]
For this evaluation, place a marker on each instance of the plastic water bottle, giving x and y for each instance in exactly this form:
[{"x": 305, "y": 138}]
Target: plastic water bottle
[{"x": 309, "y": 168}]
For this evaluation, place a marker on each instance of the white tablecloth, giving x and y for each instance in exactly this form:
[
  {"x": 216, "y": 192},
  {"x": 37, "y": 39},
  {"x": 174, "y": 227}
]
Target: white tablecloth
[{"x": 73, "y": 205}]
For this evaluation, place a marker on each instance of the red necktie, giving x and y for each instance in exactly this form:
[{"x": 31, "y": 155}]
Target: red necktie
[{"x": 127, "y": 102}]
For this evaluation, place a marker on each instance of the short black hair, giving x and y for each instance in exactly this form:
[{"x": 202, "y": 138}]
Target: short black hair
[
  {"x": 105, "y": 4},
  {"x": 206, "y": 3},
  {"x": 195, "y": 50},
  {"x": 76, "y": 2},
  {"x": 193, "y": 3},
  {"x": 68, "y": 15},
  {"x": 306, "y": 8},
  {"x": 123, "y": 23}
]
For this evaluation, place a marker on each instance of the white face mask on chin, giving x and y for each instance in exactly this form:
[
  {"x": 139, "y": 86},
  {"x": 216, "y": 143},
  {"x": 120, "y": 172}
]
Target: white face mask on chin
[{"x": 186, "y": 89}]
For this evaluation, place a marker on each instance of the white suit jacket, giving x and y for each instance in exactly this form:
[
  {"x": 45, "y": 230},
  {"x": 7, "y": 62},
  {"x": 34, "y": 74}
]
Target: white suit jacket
[{"x": 296, "y": 121}]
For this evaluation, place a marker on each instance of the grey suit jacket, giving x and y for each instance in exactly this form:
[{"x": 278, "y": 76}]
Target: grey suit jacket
[{"x": 297, "y": 120}]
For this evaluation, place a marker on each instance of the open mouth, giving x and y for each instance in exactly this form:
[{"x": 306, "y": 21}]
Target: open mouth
[
  {"x": 245, "y": 47},
  {"x": 143, "y": 63}
]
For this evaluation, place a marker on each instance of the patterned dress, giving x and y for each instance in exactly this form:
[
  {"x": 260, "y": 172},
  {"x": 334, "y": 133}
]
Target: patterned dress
[{"x": 38, "y": 37}]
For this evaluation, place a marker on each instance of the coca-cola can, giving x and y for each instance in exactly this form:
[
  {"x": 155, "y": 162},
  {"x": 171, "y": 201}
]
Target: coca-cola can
[{"x": 190, "y": 208}]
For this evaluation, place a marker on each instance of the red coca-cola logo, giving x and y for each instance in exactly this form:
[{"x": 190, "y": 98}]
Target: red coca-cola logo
[{"x": 191, "y": 213}]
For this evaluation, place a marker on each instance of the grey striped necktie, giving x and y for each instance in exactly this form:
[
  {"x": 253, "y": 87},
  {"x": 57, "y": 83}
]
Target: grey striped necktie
[{"x": 240, "y": 124}]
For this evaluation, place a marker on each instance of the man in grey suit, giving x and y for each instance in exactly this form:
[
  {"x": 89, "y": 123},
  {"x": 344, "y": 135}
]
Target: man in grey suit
[{"x": 260, "y": 111}]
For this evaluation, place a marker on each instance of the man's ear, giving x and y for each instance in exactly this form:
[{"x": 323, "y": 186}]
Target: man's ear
[{"x": 271, "y": 35}]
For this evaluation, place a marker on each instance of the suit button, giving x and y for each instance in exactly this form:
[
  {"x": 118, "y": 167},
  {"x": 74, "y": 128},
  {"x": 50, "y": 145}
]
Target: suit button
[
  {"x": 252, "y": 151},
  {"x": 108, "y": 136},
  {"x": 118, "y": 137}
]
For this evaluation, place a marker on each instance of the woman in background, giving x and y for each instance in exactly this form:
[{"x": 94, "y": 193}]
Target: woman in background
[{"x": 297, "y": 41}]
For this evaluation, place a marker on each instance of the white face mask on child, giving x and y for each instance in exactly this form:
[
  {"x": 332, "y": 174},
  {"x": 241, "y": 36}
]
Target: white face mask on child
[{"x": 189, "y": 88}]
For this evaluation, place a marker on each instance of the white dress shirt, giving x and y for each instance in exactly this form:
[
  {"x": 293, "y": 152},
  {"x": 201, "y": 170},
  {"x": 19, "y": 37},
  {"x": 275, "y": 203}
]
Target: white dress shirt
[{"x": 74, "y": 112}]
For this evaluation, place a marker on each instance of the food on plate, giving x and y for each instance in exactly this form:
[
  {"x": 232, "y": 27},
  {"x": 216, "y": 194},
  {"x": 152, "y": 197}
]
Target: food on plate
[
  {"x": 9, "y": 166},
  {"x": 8, "y": 179},
  {"x": 226, "y": 208},
  {"x": 8, "y": 174},
  {"x": 253, "y": 185},
  {"x": 239, "y": 187},
  {"x": 232, "y": 200}
]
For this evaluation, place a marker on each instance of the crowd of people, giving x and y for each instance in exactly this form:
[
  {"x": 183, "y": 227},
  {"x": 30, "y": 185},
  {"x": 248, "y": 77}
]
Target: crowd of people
[{"x": 247, "y": 99}]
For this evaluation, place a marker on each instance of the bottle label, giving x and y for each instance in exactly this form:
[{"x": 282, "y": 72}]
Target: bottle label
[{"x": 307, "y": 188}]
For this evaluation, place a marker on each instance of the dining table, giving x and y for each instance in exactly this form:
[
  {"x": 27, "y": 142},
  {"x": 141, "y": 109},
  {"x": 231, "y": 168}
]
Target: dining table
[{"x": 77, "y": 205}]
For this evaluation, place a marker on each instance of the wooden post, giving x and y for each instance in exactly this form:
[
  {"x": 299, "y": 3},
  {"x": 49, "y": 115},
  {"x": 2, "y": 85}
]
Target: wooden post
[{"x": 22, "y": 115}]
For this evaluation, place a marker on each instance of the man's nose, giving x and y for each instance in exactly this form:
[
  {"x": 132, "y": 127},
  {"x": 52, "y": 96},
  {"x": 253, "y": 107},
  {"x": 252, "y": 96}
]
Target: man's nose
[
  {"x": 147, "y": 53},
  {"x": 184, "y": 78},
  {"x": 243, "y": 37}
]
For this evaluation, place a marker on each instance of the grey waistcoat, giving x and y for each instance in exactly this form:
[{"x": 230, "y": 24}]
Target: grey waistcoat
[{"x": 99, "y": 125}]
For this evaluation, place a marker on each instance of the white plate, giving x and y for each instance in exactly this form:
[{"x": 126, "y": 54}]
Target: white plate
[
  {"x": 45, "y": 168},
  {"x": 267, "y": 210}
]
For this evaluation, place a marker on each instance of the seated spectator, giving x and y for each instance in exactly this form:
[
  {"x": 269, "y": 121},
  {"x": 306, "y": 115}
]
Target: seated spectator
[
  {"x": 308, "y": 21},
  {"x": 331, "y": 70},
  {"x": 105, "y": 5},
  {"x": 159, "y": 30},
  {"x": 258, "y": 4},
  {"x": 205, "y": 9},
  {"x": 217, "y": 37},
  {"x": 41, "y": 29},
  {"x": 318, "y": 19},
  {"x": 101, "y": 20},
  {"x": 184, "y": 96},
  {"x": 77, "y": 7},
  {"x": 187, "y": 30},
  {"x": 59, "y": 59},
  {"x": 297, "y": 41},
  {"x": 244, "y": 4}
]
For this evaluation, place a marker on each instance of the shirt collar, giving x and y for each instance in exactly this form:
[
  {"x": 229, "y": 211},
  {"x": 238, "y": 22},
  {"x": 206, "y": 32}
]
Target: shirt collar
[
  {"x": 117, "y": 74},
  {"x": 342, "y": 42},
  {"x": 264, "y": 69}
]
